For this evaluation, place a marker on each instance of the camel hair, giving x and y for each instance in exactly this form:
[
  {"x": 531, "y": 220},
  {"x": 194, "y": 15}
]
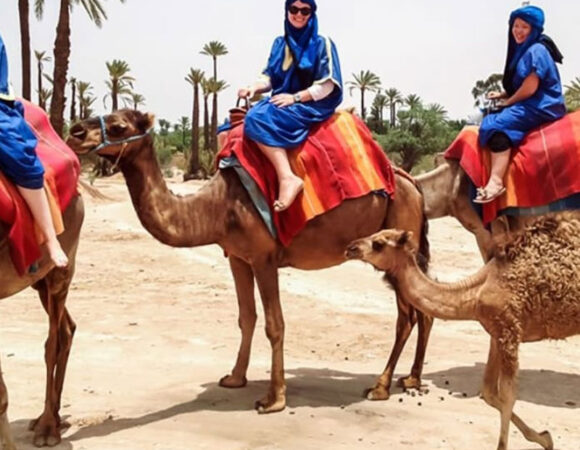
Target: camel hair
[
  {"x": 222, "y": 213},
  {"x": 52, "y": 285},
  {"x": 528, "y": 292}
]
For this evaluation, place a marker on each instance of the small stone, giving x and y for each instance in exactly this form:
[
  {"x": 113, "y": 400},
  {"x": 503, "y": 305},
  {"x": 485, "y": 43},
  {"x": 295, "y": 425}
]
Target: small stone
[
  {"x": 419, "y": 404},
  {"x": 401, "y": 400},
  {"x": 346, "y": 358},
  {"x": 292, "y": 413}
]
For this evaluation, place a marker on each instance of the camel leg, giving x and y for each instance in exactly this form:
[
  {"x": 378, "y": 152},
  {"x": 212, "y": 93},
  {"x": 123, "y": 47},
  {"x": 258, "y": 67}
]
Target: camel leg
[
  {"x": 406, "y": 319},
  {"x": 425, "y": 324},
  {"x": 6, "y": 441},
  {"x": 267, "y": 279},
  {"x": 53, "y": 291},
  {"x": 244, "y": 280}
]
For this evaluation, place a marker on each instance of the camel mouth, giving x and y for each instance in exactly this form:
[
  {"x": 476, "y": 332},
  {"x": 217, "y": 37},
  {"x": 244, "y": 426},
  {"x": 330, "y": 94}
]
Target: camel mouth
[
  {"x": 353, "y": 252},
  {"x": 79, "y": 146}
]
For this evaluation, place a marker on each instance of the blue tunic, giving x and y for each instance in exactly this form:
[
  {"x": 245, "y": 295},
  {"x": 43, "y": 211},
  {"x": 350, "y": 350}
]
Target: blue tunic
[
  {"x": 18, "y": 160},
  {"x": 546, "y": 105},
  {"x": 288, "y": 127}
]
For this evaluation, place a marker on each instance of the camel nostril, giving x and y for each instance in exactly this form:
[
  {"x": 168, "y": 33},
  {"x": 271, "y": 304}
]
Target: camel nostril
[{"x": 78, "y": 131}]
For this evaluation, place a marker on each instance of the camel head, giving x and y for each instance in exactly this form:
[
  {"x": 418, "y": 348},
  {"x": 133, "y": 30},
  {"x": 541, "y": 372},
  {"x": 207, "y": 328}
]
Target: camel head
[
  {"x": 111, "y": 136},
  {"x": 385, "y": 250}
]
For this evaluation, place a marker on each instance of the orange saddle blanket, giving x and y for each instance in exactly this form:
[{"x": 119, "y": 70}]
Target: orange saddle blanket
[
  {"x": 62, "y": 171},
  {"x": 339, "y": 161},
  {"x": 544, "y": 170}
]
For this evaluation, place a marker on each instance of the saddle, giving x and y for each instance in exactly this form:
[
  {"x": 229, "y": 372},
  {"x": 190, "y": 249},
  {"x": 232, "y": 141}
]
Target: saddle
[{"x": 238, "y": 113}]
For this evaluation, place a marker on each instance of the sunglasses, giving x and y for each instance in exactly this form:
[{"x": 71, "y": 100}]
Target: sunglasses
[{"x": 304, "y": 11}]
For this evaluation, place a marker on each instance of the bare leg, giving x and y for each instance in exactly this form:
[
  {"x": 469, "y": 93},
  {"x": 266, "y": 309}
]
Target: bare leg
[
  {"x": 244, "y": 279},
  {"x": 290, "y": 185},
  {"x": 499, "y": 165},
  {"x": 38, "y": 204}
]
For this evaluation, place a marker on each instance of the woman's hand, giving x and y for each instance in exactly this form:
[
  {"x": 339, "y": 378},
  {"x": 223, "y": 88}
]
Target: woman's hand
[
  {"x": 247, "y": 92},
  {"x": 282, "y": 100},
  {"x": 495, "y": 95}
]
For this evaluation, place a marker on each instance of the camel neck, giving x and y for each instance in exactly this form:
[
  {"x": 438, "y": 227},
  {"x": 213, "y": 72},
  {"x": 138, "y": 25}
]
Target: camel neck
[
  {"x": 175, "y": 220},
  {"x": 447, "y": 301}
]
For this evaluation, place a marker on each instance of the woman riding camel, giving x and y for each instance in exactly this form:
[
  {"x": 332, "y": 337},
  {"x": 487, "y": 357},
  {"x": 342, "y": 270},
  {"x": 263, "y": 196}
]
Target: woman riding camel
[
  {"x": 303, "y": 73},
  {"x": 18, "y": 161},
  {"x": 532, "y": 97}
]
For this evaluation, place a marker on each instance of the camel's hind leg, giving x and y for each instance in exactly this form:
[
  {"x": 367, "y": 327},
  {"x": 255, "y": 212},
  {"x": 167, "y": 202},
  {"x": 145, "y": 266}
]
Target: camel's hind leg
[
  {"x": 499, "y": 391},
  {"x": 406, "y": 319},
  {"x": 244, "y": 280},
  {"x": 6, "y": 441},
  {"x": 53, "y": 291}
]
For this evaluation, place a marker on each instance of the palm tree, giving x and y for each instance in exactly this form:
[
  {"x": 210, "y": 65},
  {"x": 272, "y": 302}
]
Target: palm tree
[
  {"x": 364, "y": 81},
  {"x": 380, "y": 103},
  {"x": 482, "y": 87},
  {"x": 214, "y": 49},
  {"x": 394, "y": 98},
  {"x": 43, "y": 97},
  {"x": 194, "y": 77},
  {"x": 439, "y": 111},
  {"x": 205, "y": 91},
  {"x": 136, "y": 100},
  {"x": 62, "y": 46},
  {"x": 184, "y": 125},
  {"x": 41, "y": 58},
  {"x": 85, "y": 99},
  {"x": 120, "y": 81},
  {"x": 572, "y": 94},
  {"x": 23, "y": 12},
  {"x": 413, "y": 101},
  {"x": 73, "y": 109},
  {"x": 215, "y": 87}
]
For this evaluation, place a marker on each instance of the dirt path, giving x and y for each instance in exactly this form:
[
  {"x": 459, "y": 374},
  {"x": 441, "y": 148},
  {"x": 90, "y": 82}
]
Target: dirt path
[{"x": 157, "y": 328}]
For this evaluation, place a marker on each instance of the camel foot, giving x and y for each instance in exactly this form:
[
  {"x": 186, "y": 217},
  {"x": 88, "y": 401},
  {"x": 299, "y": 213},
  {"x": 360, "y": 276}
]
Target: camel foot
[
  {"x": 46, "y": 432},
  {"x": 377, "y": 393},
  {"x": 547, "y": 442},
  {"x": 271, "y": 403},
  {"x": 233, "y": 382},
  {"x": 409, "y": 382}
]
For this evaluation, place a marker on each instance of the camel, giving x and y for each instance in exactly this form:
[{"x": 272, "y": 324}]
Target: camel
[
  {"x": 222, "y": 213},
  {"x": 527, "y": 292},
  {"x": 52, "y": 285}
]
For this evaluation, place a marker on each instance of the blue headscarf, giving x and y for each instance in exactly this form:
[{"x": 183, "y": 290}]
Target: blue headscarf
[
  {"x": 3, "y": 69},
  {"x": 534, "y": 16},
  {"x": 302, "y": 42}
]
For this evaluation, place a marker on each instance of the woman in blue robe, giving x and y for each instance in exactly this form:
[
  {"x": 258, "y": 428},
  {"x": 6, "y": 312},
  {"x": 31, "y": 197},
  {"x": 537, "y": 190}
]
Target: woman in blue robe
[
  {"x": 18, "y": 161},
  {"x": 533, "y": 94},
  {"x": 303, "y": 73}
]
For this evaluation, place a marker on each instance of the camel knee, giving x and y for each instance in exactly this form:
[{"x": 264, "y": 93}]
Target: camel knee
[
  {"x": 247, "y": 322},
  {"x": 275, "y": 331}
]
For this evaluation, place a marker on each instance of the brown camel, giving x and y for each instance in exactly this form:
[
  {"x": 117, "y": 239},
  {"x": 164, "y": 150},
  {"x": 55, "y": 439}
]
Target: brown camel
[
  {"x": 528, "y": 292},
  {"x": 222, "y": 213},
  {"x": 52, "y": 285}
]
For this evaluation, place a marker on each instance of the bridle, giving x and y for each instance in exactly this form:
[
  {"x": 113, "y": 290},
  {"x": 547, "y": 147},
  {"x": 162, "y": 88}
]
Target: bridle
[{"x": 106, "y": 143}]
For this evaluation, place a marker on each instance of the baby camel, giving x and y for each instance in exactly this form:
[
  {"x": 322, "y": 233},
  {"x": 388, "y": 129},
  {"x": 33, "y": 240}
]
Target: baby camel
[{"x": 528, "y": 292}]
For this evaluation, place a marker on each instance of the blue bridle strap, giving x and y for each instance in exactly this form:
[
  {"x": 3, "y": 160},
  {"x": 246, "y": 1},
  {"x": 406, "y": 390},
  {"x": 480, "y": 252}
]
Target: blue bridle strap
[{"x": 107, "y": 143}]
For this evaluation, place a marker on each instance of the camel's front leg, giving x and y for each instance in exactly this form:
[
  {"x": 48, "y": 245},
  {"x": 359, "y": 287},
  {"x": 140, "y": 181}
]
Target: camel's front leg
[
  {"x": 6, "y": 441},
  {"x": 267, "y": 279},
  {"x": 425, "y": 323},
  {"x": 405, "y": 321},
  {"x": 244, "y": 280}
]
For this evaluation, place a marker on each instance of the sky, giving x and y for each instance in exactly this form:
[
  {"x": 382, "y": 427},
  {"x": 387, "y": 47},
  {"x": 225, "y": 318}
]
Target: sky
[{"x": 436, "y": 49}]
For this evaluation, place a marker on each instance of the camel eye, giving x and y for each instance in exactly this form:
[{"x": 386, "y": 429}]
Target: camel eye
[
  {"x": 117, "y": 129},
  {"x": 378, "y": 246}
]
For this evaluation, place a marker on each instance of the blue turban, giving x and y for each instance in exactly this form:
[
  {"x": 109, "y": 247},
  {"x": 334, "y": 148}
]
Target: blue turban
[
  {"x": 302, "y": 41},
  {"x": 534, "y": 16},
  {"x": 3, "y": 69}
]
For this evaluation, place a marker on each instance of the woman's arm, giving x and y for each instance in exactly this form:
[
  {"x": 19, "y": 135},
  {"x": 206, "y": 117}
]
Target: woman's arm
[{"x": 526, "y": 90}]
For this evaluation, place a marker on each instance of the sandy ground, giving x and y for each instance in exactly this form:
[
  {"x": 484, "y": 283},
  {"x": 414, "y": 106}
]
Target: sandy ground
[{"x": 157, "y": 328}]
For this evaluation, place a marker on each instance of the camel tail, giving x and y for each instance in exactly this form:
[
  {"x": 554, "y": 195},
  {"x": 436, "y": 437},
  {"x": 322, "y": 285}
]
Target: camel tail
[{"x": 92, "y": 191}]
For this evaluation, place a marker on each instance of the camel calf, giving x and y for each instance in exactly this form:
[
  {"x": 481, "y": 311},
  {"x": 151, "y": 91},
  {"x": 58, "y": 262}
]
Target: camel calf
[{"x": 528, "y": 292}]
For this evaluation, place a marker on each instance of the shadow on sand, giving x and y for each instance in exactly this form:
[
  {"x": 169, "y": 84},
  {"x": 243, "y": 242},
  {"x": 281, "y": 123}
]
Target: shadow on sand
[{"x": 307, "y": 387}]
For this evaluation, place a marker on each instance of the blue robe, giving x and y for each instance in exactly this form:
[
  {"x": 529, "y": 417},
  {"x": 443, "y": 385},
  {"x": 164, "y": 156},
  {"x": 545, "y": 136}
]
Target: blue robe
[
  {"x": 18, "y": 160},
  {"x": 288, "y": 127}
]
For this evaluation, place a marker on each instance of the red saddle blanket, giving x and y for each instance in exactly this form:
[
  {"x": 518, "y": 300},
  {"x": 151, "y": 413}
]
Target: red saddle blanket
[
  {"x": 545, "y": 167},
  {"x": 339, "y": 161},
  {"x": 62, "y": 170}
]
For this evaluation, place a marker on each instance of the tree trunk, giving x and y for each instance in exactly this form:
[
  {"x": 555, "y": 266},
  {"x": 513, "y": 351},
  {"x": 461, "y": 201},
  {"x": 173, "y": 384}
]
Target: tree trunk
[
  {"x": 114, "y": 97},
  {"x": 193, "y": 168},
  {"x": 23, "y": 11},
  {"x": 362, "y": 104},
  {"x": 205, "y": 123},
  {"x": 214, "y": 119},
  {"x": 73, "y": 106},
  {"x": 40, "y": 101},
  {"x": 61, "y": 56}
]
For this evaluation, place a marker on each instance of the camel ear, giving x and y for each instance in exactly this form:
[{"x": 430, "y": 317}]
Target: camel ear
[
  {"x": 404, "y": 238},
  {"x": 146, "y": 122}
]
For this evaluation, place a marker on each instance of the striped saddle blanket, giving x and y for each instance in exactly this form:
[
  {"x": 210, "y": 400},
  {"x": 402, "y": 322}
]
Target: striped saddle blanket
[
  {"x": 543, "y": 174},
  {"x": 339, "y": 161}
]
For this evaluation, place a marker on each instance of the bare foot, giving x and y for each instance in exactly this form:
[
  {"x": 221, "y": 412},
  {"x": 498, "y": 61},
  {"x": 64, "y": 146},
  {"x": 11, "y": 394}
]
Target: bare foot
[
  {"x": 57, "y": 255},
  {"x": 489, "y": 192},
  {"x": 289, "y": 188}
]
